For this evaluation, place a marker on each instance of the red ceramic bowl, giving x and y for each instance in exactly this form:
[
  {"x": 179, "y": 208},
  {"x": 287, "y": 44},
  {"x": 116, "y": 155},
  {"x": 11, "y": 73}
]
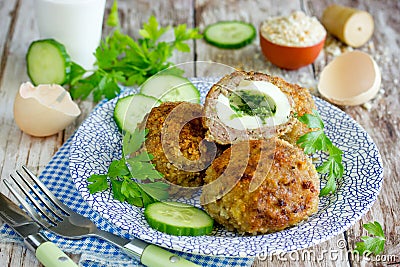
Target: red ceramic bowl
[{"x": 290, "y": 57}]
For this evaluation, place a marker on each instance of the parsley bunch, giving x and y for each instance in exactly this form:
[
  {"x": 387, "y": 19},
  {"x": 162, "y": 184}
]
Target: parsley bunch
[
  {"x": 123, "y": 173},
  {"x": 372, "y": 244},
  {"x": 317, "y": 140},
  {"x": 122, "y": 60}
]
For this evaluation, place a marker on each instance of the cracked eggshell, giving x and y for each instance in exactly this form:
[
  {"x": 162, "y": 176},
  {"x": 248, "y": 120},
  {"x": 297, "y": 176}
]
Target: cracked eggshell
[
  {"x": 44, "y": 110},
  {"x": 350, "y": 79}
]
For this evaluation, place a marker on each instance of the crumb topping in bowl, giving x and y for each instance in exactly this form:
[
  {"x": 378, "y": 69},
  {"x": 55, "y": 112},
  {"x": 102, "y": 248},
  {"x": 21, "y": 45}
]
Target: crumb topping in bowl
[{"x": 297, "y": 30}]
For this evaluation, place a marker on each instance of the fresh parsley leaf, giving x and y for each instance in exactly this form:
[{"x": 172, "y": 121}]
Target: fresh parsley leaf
[
  {"x": 361, "y": 249},
  {"x": 135, "y": 195},
  {"x": 123, "y": 174},
  {"x": 97, "y": 183},
  {"x": 143, "y": 170},
  {"x": 132, "y": 142},
  {"x": 76, "y": 73},
  {"x": 151, "y": 30},
  {"x": 157, "y": 190},
  {"x": 312, "y": 120},
  {"x": 130, "y": 189},
  {"x": 108, "y": 85},
  {"x": 107, "y": 54},
  {"x": 144, "y": 156},
  {"x": 374, "y": 244},
  {"x": 83, "y": 88},
  {"x": 116, "y": 185},
  {"x": 113, "y": 19},
  {"x": 183, "y": 34},
  {"x": 123, "y": 60},
  {"x": 147, "y": 199},
  {"x": 316, "y": 140},
  {"x": 332, "y": 166},
  {"x": 118, "y": 168},
  {"x": 139, "y": 202},
  {"x": 374, "y": 228},
  {"x": 330, "y": 187}
]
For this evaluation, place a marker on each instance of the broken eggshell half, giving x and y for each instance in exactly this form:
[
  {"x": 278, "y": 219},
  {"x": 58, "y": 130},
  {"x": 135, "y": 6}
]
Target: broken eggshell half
[
  {"x": 350, "y": 79},
  {"x": 44, "y": 110}
]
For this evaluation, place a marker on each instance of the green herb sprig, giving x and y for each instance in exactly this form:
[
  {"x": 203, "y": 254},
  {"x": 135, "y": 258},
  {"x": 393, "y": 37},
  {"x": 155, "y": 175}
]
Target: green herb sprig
[
  {"x": 317, "y": 140},
  {"x": 122, "y": 60},
  {"x": 246, "y": 102},
  {"x": 121, "y": 176},
  {"x": 372, "y": 244}
]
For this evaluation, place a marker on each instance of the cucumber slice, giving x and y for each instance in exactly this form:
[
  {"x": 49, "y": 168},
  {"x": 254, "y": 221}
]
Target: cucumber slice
[
  {"x": 178, "y": 219},
  {"x": 48, "y": 62},
  {"x": 130, "y": 110},
  {"x": 230, "y": 34},
  {"x": 168, "y": 87}
]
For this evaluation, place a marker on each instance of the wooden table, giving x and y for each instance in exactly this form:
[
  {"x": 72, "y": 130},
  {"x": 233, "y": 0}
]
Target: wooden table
[{"x": 381, "y": 121}]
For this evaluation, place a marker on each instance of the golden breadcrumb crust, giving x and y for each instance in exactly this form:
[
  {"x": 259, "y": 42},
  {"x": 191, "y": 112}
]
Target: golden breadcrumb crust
[{"x": 287, "y": 195}]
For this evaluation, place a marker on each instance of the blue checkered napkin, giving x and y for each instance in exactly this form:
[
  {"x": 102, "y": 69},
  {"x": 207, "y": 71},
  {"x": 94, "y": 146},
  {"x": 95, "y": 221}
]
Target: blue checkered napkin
[{"x": 96, "y": 252}]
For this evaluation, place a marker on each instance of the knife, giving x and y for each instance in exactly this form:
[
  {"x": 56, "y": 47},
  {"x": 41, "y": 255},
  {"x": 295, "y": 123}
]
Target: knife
[
  {"x": 148, "y": 254},
  {"x": 45, "y": 251},
  {"x": 75, "y": 226}
]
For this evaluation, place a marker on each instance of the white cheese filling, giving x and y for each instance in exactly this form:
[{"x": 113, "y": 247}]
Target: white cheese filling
[{"x": 229, "y": 117}]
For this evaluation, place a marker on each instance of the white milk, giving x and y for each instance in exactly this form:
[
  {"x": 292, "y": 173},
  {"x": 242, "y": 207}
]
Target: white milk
[{"x": 77, "y": 24}]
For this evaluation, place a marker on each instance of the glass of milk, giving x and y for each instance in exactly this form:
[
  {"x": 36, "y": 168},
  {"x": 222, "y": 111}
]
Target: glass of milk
[{"x": 77, "y": 24}]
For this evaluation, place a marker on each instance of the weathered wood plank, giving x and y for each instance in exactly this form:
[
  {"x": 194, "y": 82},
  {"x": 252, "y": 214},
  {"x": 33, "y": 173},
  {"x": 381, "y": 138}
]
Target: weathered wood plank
[
  {"x": 249, "y": 57},
  {"x": 168, "y": 13},
  {"x": 7, "y": 23},
  {"x": 132, "y": 16},
  {"x": 17, "y": 148},
  {"x": 17, "y": 256},
  {"x": 330, "y": 253},
  {"x": 382, "y": 121}
]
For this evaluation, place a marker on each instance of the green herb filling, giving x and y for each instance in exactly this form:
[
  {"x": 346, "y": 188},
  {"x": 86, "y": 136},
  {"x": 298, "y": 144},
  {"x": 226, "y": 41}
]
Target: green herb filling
[{"x": 252, "y": 103}]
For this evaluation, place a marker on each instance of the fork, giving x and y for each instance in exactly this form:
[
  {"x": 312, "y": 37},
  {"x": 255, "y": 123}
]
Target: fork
[{"x": 55, "y": 216}]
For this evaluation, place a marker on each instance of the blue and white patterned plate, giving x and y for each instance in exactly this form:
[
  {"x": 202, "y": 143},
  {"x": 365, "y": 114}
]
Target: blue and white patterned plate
[{"x": 97, "y": 142}]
